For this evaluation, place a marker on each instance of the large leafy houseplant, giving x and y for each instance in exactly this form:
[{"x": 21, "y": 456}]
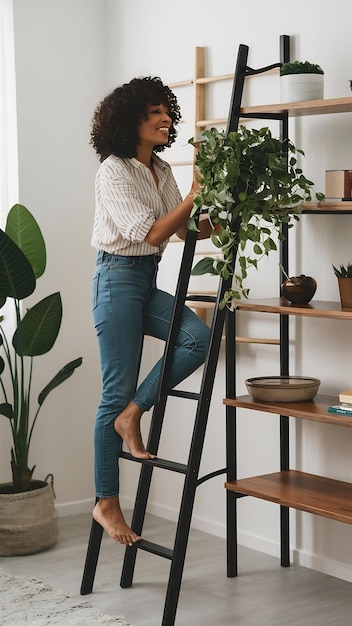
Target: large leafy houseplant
[
  {"x": 22, "y": 262},
  {"x": 251, "y": 187}
]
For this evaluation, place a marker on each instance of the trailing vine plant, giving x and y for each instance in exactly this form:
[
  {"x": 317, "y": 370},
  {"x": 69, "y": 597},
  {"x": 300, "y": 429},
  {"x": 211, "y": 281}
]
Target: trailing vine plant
[{"x": 250, "y": 186}]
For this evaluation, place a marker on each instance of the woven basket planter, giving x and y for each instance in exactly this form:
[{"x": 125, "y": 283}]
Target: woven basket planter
[{"x": 28, "y": 520}]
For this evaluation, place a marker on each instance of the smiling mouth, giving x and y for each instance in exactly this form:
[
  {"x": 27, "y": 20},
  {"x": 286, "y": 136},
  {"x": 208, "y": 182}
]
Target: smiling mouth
[{"x": 163, "y": 129}]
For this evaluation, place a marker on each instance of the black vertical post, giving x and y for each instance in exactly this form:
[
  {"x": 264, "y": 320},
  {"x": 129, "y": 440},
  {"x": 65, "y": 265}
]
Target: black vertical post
[
  {"x": 284, "y": 349},
  {"x": 230, "y": 333},
  {"x": 284, "y": 48},
  {"x": 237, "y": 89},
  {"x": 231, "y": 445}
]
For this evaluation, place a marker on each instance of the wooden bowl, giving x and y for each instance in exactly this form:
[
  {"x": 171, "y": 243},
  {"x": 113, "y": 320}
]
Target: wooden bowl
[{"x": 282, "y": 388}]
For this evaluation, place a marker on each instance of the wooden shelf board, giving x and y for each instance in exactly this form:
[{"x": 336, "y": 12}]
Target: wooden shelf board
[
  {"x": 299, "y": 109},
  {"x": 306, "y": 492},
  {"x": 316, "y": 410},
  {"x": 315, "y": 308},
  {"x": 328, "y": 206}
]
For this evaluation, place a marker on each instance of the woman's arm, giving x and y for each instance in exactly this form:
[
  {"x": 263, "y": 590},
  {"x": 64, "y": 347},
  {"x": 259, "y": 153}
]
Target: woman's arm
[
  {"x": 204, "y": 229},
  {"x": 171, "y": 223},
  {"x": 176, "y": 222}
]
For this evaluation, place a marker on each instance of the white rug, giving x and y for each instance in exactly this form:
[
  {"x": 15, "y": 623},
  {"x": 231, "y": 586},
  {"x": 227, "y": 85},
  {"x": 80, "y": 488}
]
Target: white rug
[{"x": 26, "y": 601}]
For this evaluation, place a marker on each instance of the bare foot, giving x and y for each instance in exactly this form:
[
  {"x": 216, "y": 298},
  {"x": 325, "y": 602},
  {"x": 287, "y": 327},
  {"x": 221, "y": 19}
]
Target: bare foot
[
  {"x": 107, "y": 512},
  {"x": 127, "y": 425}
]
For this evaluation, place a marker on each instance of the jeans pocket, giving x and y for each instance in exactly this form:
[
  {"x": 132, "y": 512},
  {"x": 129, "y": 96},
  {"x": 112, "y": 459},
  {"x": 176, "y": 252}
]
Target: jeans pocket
[{"x": 119, "y": 262}]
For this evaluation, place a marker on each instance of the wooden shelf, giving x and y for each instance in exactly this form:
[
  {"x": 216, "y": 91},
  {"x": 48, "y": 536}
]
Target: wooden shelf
[
  {"x": 315, "y": 308},
  {"x": 306, "y": 492},
  {"x": 328, "y": 206},
  {"x": 316, "y": 410},
  {"x": 299, "y": 109}
]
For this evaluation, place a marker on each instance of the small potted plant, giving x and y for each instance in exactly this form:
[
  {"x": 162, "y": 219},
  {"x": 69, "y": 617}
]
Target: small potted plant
[
  {"x": 301, "y": 80},
  {"x": 27, "y": 514},
  {"x": 251, "y": 187},
  {"x": 344, "y": 277}
]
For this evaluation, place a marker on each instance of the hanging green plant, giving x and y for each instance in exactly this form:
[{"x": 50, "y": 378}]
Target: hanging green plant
[{"x": 250, "y": 187}]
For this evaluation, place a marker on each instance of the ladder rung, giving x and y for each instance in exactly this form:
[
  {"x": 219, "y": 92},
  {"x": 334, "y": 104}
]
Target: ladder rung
[
  {"x": 154, "y": 548},
  {"x": 200, "y": 298},
  {"x": 190, "y": 395},
  {"x": 181, "y": 468}
]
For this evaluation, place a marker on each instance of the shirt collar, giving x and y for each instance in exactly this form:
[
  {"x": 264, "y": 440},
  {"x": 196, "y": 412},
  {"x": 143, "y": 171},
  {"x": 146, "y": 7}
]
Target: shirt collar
[{"x": 156, "y": 161}]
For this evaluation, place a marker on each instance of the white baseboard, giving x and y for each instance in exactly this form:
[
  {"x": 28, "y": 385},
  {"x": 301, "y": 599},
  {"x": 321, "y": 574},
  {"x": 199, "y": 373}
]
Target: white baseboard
[
  {"x": 343, "y": 571},
  {"x": 254, "y": 542},
  {"x": 75, "y": 508}
]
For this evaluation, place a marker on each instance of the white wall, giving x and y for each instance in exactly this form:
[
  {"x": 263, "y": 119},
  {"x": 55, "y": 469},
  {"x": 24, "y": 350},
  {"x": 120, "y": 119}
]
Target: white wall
[
  {"x": 61, "y": 69},
  {"x": 68, "y": 55}
]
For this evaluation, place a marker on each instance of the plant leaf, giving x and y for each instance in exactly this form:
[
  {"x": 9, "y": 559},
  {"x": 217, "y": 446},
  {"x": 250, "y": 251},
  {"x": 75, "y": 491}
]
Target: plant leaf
[
  {"x": 23, "y": 229},
  {"x": 59, "y": 378},
  {"x": 36, "y": 333},
  {"x": 204, "y": 266},
  {"x": 17, "y": 279},
  {"x": 6, "y": 409}
]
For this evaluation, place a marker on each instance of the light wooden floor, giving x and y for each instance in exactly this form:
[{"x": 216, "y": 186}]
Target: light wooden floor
[{"x": 263, "y": 594}]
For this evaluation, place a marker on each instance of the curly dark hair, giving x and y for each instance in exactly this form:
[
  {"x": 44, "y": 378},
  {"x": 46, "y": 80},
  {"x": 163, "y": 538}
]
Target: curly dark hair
[{"x": 116, "y": 119}]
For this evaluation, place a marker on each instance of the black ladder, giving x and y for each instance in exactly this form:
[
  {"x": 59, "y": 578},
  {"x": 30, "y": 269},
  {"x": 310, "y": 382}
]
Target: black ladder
[
  {"x": 203, "y": 397},
  {"x": 190, "y": 470}
]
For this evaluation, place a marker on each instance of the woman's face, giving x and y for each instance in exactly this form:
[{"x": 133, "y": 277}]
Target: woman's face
[{"x": 154, "y": 131}]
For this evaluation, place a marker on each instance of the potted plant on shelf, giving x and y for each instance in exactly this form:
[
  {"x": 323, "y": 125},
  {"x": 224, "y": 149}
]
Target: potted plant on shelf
[
  {"x": 252, "y": 188},
  {"x": 28, "y": 519},
  {"x": 344, "y": 277},
  {"x": 301, "y": 80}
]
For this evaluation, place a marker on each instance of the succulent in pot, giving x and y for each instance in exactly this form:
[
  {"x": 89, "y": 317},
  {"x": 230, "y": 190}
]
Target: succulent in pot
[
  {"x": 344, "y": 276},
  {"x": 344, "y": 271}
]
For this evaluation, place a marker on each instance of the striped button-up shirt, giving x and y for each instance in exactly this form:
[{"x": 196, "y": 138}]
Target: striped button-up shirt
[{"x": 128, "y": 202}]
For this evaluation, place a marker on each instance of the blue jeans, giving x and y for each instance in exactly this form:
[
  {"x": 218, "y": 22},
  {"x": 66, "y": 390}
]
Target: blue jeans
[{"x": 126, "y": 305}]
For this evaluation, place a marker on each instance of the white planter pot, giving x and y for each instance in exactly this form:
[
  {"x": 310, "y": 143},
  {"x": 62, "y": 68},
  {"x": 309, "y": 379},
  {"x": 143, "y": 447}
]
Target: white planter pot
[{"x": 300, "y": 87}]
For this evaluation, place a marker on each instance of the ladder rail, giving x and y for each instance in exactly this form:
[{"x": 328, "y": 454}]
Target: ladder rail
[
  {"x": 180, "y": 297},
  {"x": 146, "y": 473},
  {"x": 194, "y": 459}
]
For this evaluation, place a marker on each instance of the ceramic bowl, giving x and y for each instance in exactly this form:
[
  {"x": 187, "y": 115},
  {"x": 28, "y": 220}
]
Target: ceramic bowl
[{"x": 282, "y": 388}]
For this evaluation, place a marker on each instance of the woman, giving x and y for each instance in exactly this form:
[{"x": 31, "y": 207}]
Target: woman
[{"x": 138, "y": 207}]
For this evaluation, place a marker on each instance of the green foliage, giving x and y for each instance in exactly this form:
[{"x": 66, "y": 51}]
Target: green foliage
[
  {"x": 22, "y": 261},
  {"x": 250, "y": 186},
  {"x": 300, "y": 67},
  {"x": 343, "y": 271}
]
